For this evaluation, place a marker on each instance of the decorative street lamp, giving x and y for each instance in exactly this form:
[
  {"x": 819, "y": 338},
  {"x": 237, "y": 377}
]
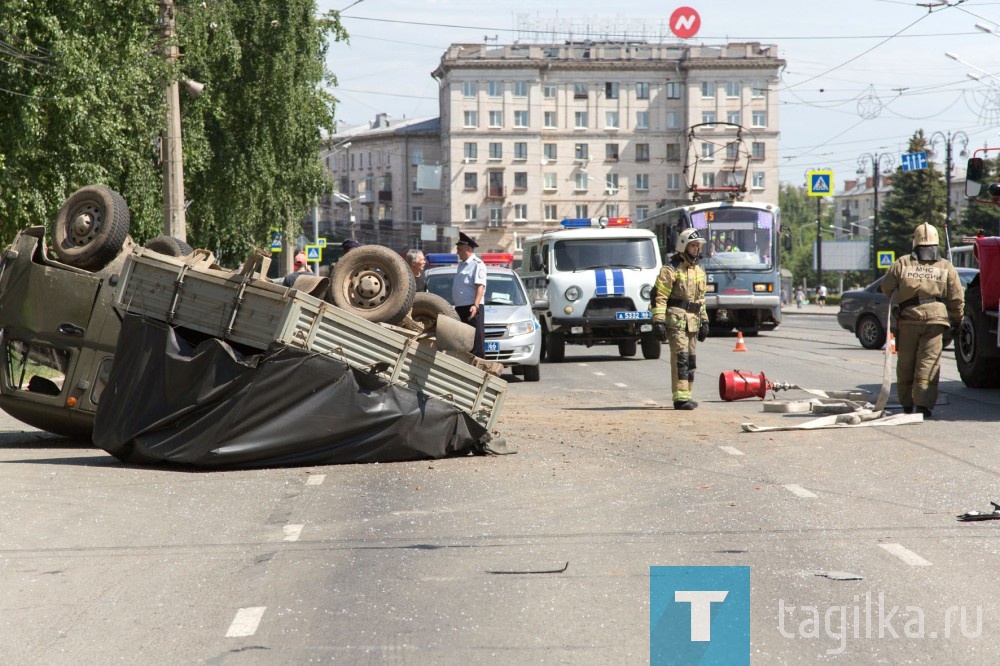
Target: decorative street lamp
[
  {"x": 949, "y": 140},
  {"x": 881, "y": 163}
]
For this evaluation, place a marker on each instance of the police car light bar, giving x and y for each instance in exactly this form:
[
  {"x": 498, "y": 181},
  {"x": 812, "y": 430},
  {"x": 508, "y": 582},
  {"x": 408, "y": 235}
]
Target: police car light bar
[
  {"x": 601, "y": 222},
  {"x": 489, "y": 258}
]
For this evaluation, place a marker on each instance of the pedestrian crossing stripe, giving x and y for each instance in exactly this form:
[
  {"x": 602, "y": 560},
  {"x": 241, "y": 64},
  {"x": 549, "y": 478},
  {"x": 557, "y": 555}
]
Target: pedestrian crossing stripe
[{"x": 886, "y": 258}]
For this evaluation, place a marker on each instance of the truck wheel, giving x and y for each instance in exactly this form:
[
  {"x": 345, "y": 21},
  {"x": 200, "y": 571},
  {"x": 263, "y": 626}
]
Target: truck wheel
[
  {"x": 168, "y": 245},
  {"x": 374, "y": 283},
  {"x": 427, "y": 307},
  {"x": 870, "y": 332},
  {"x": 627, "y": 348},
  {"x": 90, "y": 227},
  {"x": 555, "y": 346},
  {"x": 650, "y": 347},
  {"x": 977, "y": 368},
  {"x": 531, "y": 373}
]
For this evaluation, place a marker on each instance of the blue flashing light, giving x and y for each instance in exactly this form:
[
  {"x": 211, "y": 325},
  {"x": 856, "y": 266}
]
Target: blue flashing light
[
  {"x": 575, "y": 222},
  {"x": 439, "y": 258}
]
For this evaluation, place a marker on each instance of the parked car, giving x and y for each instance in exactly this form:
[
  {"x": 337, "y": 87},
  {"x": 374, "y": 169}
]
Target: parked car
[
  {"x": 513, "y": 335},
  {"x": 864, "y": 311}
]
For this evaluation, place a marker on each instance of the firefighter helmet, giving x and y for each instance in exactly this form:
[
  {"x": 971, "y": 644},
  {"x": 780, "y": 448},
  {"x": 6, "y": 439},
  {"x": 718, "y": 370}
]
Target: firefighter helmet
[
  {"x": 925, "y": 234},
  {"x": 687, "y": 237}
]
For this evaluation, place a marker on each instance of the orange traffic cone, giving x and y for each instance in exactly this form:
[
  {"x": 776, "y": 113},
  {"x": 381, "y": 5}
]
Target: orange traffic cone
[
  {"x": 892, "y": 343},
  {"x": 740, "y": 347}
]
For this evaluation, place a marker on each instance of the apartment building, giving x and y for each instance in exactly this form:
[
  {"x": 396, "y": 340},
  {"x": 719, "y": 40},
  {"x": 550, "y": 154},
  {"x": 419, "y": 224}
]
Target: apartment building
[{"x": 530, "y": 134}]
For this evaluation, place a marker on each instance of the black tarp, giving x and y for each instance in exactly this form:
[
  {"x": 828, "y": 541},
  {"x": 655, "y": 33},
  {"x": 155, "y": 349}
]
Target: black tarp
[{"x": 176, "y": 398}]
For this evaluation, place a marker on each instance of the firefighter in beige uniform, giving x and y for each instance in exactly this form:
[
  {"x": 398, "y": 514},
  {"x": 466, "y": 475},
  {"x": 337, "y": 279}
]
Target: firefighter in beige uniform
[
  {"x": 929, "y": 296},
  {"x": 679, "y": 314}
]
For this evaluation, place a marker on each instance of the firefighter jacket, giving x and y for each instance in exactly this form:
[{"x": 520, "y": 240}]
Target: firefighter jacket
[
  {"x": 926, "y": 291},
  {"x": 679, "y": 294}
]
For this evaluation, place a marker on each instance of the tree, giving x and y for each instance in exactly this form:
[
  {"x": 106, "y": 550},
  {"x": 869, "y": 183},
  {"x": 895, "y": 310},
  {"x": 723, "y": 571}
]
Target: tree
[
  {"x": 916, "y": 196},
  {"x": 82, "y": 101}
]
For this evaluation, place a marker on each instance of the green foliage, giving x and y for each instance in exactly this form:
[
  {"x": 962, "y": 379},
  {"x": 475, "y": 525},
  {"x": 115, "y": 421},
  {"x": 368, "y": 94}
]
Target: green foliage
[
  {"x": 916, "y": 197},
  {"x": 83, "y": 98}
]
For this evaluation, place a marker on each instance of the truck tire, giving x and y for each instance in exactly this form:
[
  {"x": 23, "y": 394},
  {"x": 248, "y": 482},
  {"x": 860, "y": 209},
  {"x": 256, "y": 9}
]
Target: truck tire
[
  {"x": 91, "y": 227},
  {"x": 168, "y": 245},
  {"x": 374, "y": 283},
  {"x": 427, "y": 307},
  {"x": 978, "y": 367},
  {"x": 627, "y": 348},
  {"x": 651, "y": 347},
  {"x": 555, "y": 347}
]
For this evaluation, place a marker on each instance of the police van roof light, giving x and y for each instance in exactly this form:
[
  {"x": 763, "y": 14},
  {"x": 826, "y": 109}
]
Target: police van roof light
[
  {"x": 601, "y": 222},
  {"x": 489, "y": 258}
]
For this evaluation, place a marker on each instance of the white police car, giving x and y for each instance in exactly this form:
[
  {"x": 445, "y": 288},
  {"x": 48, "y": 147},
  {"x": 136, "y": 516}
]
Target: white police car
[{"x": 513, "y": 335}]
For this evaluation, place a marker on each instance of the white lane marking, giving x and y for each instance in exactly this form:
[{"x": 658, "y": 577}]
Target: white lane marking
[
  {"x": 582, "y": 365},
  {"x": 732, "y": 450},
  {"x": 796, "y": 489},
  {"x": 905, "y": 554},
  {"x": 315, "y": 479},
  {"x": 620, "y": 385},
  {"x": 246, "y": 621},
  {"x": 599, "y": 374},
  {"x": 292, "y": 532}
]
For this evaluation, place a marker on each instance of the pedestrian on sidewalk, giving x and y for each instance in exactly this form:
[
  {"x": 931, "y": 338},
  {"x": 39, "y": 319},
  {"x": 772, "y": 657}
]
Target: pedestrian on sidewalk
[
  {"x": 799, "y": 298},
  {"x": 821, "y": 295}
]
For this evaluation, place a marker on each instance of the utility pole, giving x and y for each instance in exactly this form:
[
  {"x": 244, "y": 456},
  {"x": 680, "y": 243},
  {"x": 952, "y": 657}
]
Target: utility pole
[
  {"x": 819, "y": 242},
  {"x": 949, "y": 140},
  {"x": 174, "y": 223},
  {"x": 880, "y": 164}
]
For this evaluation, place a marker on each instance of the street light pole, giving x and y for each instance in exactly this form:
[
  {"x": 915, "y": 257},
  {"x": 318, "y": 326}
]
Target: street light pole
[
  {"x": 174, "y": 223},
  {"x": 948, "y": 141},
  {"x": 881, "y": 162}
]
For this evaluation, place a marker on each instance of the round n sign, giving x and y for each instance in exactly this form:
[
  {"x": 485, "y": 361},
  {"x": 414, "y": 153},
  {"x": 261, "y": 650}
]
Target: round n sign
[{"x": 685, "y": 22}]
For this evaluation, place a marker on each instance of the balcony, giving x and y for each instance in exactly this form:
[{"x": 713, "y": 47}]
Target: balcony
[{"x": 496, "y": 192}]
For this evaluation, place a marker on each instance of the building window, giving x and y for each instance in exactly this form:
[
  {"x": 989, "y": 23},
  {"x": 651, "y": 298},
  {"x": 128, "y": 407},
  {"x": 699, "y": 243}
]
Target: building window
[
  {"x": 471, "y": 213},
  {"x": 673, "y": 152},
  {"x": 733, "y": 117},
  {"x": 496, "y": 118},
  {"x": 641, "y": 212},
  {"x": 758, "y": 180},
  {"x": 520, "y": 211},
  {"x": 673, "y": 90},
  {"x": 642, "y": 152},
  {"x": 414, "y": 187},
  {"x": 496, "y": 150},
  {"x": 758, "y": 88},
  {"x": 549, "y": 118},
  {"x": 581, "y": 151},
  {"x": 520, "y": 150},
  {"x": 581, "y": 119},
  {"x": 611, "y": 183},
  {"x": 521, "y": 118},
  {"x": 611, "y": 152},
  {"x": 732, "y": 150},
  {"x": 611, "y": 120},
  {"x": 642, "y": 90},
  {"x": 708, "y": 117},
  {"x": 642, "y": 119},
  {"x": 520, "y": 88},
  {"x": 708, "y": 88},
  {"x": 416, "y": 157},
  {"x": 549, "y": 151},
  {"x": 582, "y": 211},
  {"x": 520, "y": 180},
  {"x": 470, "y": 88},
  {"x": 673, "y": 120},
  {"x": 673, "y": 181},
  {"x": 611, "y": 210},
  {"x": 641, "y": 182},
  {"x": 471, "y": 119},
  {"x": 707, "y": 151},
  {"x": 496, "y": 216},
  {"x": 708, "y": 180},
  {"x": 757, "y": 148},
  {"x": 579, "y": 91},
  {"x": 549, "y": 181},
  {"x": 549, "y": 91},
  {"x": 611, "y": 90},
  {"x": 732, "y": 88},
  {"x": 471, "y": 150},
  {"x": 760, "y": 118},
  {"x": 471, "y": 181},
  {"x": 550, "y": 212},
  {"x": 417, "y": 214},
  {"x": 580, "y": 181},
  {"x": 495, "y": 88}
]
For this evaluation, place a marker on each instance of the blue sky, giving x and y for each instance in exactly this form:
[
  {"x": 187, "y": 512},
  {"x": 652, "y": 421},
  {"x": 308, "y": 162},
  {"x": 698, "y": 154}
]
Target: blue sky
[{"x": 861, "y": 75}]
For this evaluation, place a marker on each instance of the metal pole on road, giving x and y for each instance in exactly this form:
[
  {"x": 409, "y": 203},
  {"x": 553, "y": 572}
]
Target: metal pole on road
[{"x": 881, "y": 163}]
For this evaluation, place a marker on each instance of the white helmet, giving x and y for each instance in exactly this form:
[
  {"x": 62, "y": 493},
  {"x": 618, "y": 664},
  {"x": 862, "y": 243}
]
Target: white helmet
[
  {"x": 925, "y": 234},
  {"x": 687, "y": 237}
]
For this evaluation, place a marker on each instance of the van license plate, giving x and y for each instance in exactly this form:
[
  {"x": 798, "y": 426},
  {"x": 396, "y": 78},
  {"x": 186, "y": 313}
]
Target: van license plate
[
  {"x": 492, "y": 347},
  {"x": 633, "y": 315}
]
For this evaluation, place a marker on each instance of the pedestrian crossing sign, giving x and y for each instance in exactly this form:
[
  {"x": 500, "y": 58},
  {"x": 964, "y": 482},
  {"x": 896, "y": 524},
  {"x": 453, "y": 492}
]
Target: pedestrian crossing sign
[
  {"x": 275, "y": 240},
  {"x": 885, "y": 258},
  {"x": 313, "y": 253},
  {"x": 820, "y": 183}
]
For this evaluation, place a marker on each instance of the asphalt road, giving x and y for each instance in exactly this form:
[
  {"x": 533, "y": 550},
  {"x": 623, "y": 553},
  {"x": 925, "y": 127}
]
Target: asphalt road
[{"x": 539, "y": 557}]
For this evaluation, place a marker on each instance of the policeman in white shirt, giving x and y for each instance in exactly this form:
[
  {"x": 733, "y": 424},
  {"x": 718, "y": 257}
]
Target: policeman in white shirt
[{"x": 468, "y": 290}]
